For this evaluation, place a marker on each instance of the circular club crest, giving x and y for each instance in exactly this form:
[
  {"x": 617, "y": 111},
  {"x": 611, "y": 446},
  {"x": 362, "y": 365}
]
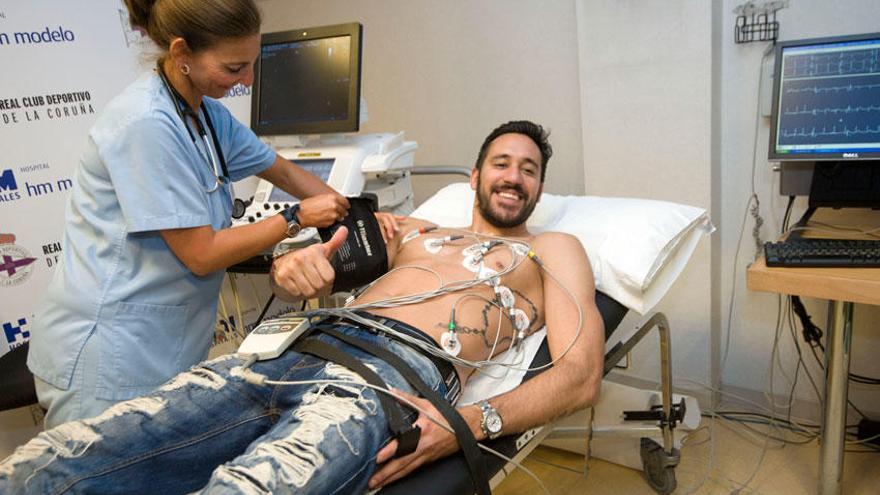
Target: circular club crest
[{"x": 16, "y": 265}]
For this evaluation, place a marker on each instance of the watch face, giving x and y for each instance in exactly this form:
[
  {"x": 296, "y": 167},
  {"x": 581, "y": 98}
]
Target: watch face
[{"x": 493, "y": 423}]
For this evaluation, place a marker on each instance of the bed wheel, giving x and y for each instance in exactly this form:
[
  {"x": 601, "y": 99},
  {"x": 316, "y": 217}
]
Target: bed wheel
[{"x": 659, "y": 467}]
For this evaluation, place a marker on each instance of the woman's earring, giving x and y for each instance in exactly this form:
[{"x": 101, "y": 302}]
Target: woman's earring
[{"x": 184, "y": 68}]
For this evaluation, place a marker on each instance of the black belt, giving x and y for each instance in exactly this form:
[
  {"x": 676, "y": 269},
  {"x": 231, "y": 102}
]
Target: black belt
[
  {"x": 407, "y": 439},
  {"x": 447, "y": 371}
]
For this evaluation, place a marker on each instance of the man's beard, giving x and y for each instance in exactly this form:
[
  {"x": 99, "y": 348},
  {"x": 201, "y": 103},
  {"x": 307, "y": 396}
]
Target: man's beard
[{"x": 496, "y": 219}]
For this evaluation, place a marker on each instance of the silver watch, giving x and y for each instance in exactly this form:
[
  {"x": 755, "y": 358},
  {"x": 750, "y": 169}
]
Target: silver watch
[{"x": 491, "y": 423}]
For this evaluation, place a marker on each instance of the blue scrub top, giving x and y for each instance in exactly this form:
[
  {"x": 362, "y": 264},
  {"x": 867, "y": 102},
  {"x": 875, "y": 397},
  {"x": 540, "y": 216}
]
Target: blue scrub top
[{"x": 118, "y": 281}]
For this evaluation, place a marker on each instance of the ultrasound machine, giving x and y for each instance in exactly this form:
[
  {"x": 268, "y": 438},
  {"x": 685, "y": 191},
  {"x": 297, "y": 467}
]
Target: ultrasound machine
[{"x": 306, "y": 104}]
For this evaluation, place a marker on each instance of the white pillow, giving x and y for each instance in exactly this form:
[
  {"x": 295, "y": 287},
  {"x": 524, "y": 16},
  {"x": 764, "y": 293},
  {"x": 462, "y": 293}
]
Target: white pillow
[{"x": 637, "y": 247}]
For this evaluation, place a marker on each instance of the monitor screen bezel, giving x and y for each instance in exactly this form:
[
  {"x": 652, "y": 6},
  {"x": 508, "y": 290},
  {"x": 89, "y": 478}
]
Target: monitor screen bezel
[
  {"x": 352, "y": 124},
  {"x": 774, "y": 155}
]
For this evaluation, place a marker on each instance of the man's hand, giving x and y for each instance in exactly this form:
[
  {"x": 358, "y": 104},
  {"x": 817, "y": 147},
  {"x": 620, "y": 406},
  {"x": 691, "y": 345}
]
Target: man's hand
[
  {"x": 435, "y": 442},
  {"x": 388, "y": 223},
  {"x": 322, "y": 210},
  {"x": 306, "y": 272}
]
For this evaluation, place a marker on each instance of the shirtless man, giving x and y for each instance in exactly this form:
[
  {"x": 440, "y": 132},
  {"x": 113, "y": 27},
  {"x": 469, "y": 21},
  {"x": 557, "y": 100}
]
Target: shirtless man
[
  {"x": 508, "y": 179},
  {"x": 334, "y": 438}
]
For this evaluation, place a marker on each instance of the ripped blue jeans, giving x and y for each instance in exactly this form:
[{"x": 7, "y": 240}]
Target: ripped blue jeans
[{"x": 208, "y": 431}]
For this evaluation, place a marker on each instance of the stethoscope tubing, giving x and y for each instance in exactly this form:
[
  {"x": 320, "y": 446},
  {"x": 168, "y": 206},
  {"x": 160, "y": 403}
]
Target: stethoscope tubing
[{"x": 177, "y": 101}]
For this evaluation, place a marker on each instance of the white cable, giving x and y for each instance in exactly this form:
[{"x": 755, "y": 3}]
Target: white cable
[
  {"x": 516, "y": 260},
  {"x": 389, "y": 272},
  {"x": 231, "y": 332},
  {"x": 768, "y": 394},
  {"x": 348, "y": 311},
  {"x": 240, "y": 326},
  {"x": 517, "y": 465},
  {"x": 754, "y": 209},
  {"x": 256, "y": 293}
]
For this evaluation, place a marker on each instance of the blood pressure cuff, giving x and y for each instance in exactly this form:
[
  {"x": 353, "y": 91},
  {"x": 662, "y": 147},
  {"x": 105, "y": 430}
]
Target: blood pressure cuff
[{"x": 363, "y": 257}]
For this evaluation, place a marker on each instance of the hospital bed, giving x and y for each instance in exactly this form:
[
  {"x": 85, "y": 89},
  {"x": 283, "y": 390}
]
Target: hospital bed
[{"x": 637, "y": 250}]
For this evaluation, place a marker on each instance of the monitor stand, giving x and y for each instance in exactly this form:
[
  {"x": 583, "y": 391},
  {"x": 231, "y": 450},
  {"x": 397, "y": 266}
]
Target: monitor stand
[{"x": 843, "y": 184}]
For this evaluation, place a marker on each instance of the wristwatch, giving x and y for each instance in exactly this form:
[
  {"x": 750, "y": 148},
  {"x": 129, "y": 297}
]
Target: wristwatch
[
  {"x": 491, "y": 423},
  {"x": 292, "y": 218}
]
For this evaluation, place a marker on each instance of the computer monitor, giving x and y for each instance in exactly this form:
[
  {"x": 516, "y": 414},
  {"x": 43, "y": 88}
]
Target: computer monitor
[
  {"x": 826, "y": 99},
  {"x": 825, "y": 124},
  {"x": 307, "y": 81},
  {"x": 319, "y": 167}
]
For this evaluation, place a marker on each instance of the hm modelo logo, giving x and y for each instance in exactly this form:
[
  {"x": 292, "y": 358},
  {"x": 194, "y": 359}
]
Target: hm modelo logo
[
  {"x": 39, "y": 35},
  {"x": 9, "y": 189},
  {"x": 15, "y": 332}
]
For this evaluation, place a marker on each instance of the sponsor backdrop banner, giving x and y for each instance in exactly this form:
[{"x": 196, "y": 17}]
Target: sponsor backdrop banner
[{"x": 62, "y": 62}]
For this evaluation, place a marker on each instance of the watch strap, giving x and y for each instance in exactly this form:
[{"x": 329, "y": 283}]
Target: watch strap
[{"x": 291, "y": 214}]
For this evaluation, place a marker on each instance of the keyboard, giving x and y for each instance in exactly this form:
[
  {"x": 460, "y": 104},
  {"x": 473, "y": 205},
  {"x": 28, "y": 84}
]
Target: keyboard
[{"x": 814, "y": 253}]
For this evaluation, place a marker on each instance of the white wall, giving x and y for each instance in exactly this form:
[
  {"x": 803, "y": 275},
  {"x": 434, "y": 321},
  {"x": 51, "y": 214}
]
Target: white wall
[
  {"x": 448, "y": 72},
  {"x": 645, "y": 72},
  {"x": 754, "y": 317}
]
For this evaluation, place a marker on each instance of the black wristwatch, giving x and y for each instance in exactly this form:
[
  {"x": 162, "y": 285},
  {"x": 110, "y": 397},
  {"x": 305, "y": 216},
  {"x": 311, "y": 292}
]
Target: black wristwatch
[
  {"x": 292, "y": 218},
  {"x": 491, "y": 423}
]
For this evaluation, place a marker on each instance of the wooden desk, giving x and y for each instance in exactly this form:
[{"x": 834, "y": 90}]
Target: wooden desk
[{"x": 842, "y": 287}]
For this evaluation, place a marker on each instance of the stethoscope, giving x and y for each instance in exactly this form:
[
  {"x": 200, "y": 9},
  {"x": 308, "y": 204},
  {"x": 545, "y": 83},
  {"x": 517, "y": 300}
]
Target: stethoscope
[{"x": 183, "y": 110}]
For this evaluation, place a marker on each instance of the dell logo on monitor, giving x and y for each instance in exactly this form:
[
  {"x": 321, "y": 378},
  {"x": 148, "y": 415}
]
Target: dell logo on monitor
[{"x": 850, "y": 155}]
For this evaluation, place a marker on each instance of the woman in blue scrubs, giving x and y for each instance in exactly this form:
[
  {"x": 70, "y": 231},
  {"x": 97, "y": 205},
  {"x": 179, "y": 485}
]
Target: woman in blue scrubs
[{"x": 147, "y": 234}]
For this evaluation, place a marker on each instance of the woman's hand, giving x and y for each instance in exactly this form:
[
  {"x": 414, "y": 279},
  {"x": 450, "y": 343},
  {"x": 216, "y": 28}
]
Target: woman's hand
[{"x": 322, "y": 210}]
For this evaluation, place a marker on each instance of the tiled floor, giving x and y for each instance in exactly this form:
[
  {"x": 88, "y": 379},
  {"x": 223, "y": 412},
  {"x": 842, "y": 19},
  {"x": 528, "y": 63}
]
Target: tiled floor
[{"x": 789, "y": 470}]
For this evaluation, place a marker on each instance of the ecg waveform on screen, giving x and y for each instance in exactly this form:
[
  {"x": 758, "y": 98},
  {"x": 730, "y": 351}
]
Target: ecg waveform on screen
[
  {"x": 843, "y": 63},
  {"x": 845, "y": 132},
  {"x": 833, "y": 110},
  {"x": 829, "y": 89},
  {"x": 830, "y": 98}
]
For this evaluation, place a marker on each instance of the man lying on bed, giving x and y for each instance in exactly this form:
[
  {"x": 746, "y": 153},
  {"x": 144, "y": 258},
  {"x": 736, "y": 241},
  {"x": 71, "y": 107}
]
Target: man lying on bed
[{"x": 323, "y": 438}]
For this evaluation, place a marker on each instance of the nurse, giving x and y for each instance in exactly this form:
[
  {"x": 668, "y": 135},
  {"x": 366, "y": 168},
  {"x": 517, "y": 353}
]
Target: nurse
[{"x": 147, "y": 235}]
